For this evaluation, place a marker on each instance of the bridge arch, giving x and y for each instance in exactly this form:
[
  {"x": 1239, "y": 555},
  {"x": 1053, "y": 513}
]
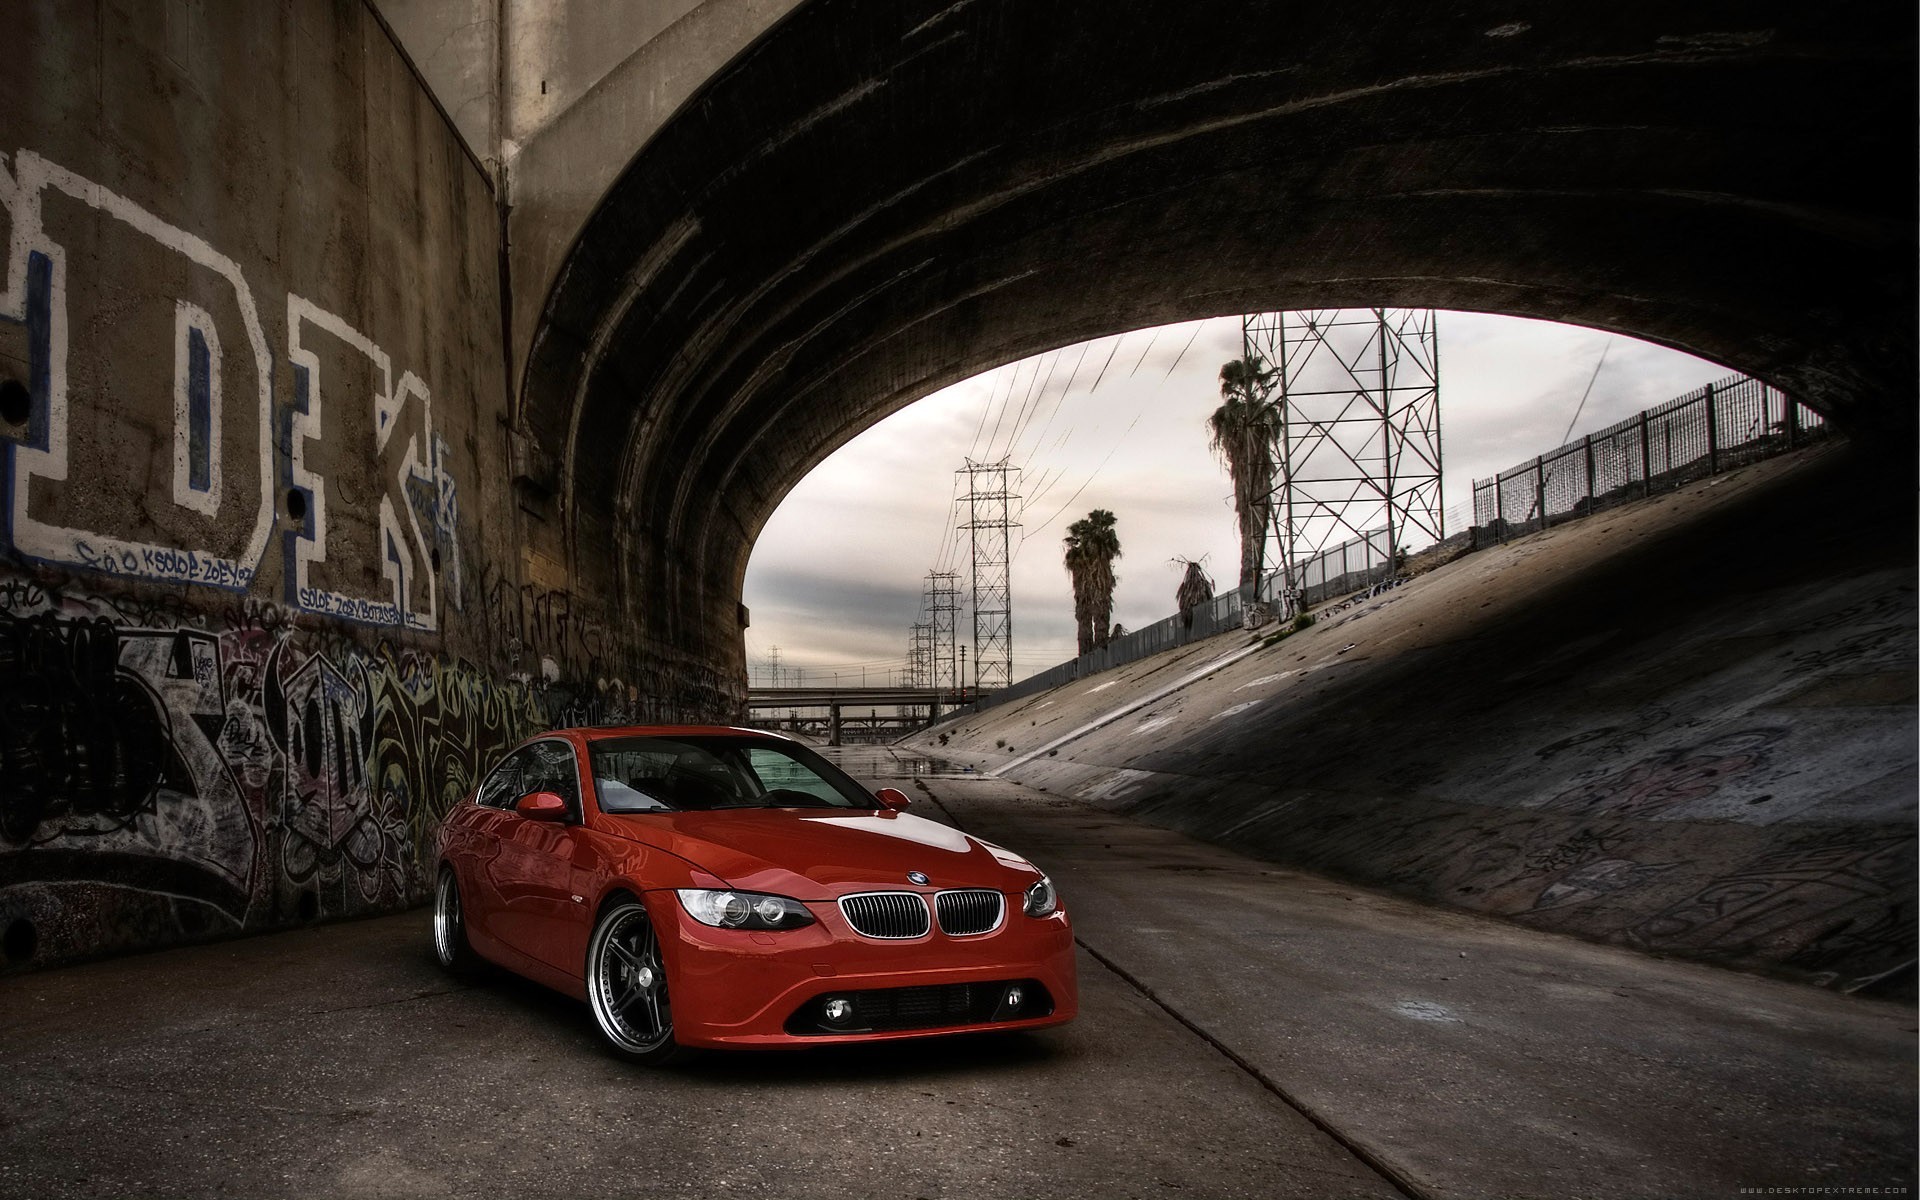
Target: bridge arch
[{"x": 880, "y": 197}]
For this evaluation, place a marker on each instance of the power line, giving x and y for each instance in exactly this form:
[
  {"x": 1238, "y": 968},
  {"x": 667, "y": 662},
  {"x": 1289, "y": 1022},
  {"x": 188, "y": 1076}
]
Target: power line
[
  {"x": 1034, "y": 400},
  {"x": 1103, "y": 366},
  {"x": 1083, "y": 486},
  {"x": 1012, "y": 383},
  {"x": 1061, "y": 400},
  {"x": 1600, "y": 362},
  {"x": 1143, "y": 354},
  {"x": 1197, "y": 327}
]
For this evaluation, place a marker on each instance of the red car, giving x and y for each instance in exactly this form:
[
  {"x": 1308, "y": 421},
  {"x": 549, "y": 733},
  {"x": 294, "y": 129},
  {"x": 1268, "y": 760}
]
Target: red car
[{"x": 704, "y": 886}]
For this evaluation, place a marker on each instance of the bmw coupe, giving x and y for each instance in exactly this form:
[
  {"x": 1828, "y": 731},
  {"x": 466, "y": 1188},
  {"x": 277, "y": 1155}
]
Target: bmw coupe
[{"x": 718, "y": 887}]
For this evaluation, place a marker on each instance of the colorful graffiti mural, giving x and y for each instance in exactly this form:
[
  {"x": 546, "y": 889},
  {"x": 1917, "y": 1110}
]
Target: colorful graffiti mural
[{"x": 167, "y": 773}]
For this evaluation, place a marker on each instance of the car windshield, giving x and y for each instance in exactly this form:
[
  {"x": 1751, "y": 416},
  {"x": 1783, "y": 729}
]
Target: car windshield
[{"x": 695, "y": 774}]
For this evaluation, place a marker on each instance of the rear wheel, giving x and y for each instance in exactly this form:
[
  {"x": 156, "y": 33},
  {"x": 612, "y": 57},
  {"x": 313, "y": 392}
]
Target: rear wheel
[
  {"x": 450, "y": 944},
  {"x": 627, "y": 986}
]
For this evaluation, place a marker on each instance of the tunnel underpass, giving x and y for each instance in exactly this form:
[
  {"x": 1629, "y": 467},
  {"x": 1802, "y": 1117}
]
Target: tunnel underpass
[
  {"x": 1599, "y": 171},
  {"x": 352, "y": 432}
]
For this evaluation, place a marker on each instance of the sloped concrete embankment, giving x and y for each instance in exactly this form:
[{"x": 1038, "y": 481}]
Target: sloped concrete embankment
[{"x": 1686, "y": 726}]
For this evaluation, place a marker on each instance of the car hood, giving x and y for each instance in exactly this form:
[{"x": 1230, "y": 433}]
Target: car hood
[{"x": 813, "y": 855}]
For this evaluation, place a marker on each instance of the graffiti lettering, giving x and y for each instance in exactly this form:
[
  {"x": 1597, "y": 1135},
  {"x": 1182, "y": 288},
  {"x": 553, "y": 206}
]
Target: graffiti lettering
[
  {"x": 199, "y": 356},
  {"x": 234, "y": 768},
  {"x": 355, "y": 426},
  {"x": 98, "y": 351}
]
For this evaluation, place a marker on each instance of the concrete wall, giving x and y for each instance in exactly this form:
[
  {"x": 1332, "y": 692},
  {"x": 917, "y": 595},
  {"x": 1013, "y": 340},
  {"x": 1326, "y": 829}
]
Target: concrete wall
[
  {"x": 1687, "y": 726},
  {"x": 557, "y": 96},
  {"x": 262, "y": 607}
]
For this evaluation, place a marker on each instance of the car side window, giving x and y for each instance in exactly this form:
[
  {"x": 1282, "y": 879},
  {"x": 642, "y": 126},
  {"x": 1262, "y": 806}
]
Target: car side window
[
  {"x": 633, "y": 779},
  {"x": 502, "y": 787},
  {"x": 551, "y": 768}
]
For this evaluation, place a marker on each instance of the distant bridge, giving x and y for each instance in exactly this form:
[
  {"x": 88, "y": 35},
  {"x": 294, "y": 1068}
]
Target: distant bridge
[{"x": 835, "y": 699}]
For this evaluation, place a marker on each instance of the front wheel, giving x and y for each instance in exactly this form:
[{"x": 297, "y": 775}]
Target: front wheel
[
  {"x": 450, "y": 944},
  {"x": 627, "y": 987}
]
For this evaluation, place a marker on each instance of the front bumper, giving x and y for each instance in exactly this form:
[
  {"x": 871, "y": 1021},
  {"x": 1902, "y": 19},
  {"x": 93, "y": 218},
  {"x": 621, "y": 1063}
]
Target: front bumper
[{"x": 732, "y": 988}]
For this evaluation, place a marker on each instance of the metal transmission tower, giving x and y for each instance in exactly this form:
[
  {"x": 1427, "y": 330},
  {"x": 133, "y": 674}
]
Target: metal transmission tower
[
  {"x": 919, "y": 664},
  {"x": 1358, "y": 393},
  {"x": 919, "y": 655},
  {"x": 990, "y": 500},
  {"x": 942, "y": 600}
]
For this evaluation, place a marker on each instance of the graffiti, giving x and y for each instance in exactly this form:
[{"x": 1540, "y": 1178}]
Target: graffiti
[
  {"x": 1882, "y": 649},
  {"x": 1582, "y": 846},
  {"x": 354, "y": 425},
  {"x": 1835, "y": 900},
  {"x": 1816, "y": 899},
  {"x": 1893, "y": 605},
  {"x": 542, "y": 626},
  {"x": 197, "y": 364},
  {"x": 320, "y": 719},
  {"x": 1596, "y": 879},
  {"x": 1610, "y": 739},
  {"x": 1670, "y": 778},
  {"x": 109, "y": 749},
  {"x": 438, "y": 727},
  {"x": 228, "y": 771},
  {"x": 207, "y": 356}
]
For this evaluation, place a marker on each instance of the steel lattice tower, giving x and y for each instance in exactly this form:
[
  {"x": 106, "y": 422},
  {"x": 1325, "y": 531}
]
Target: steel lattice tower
[
  {"x": 990, "y": 499},
  {"x": 919, "y": 664},
  {"x": 942, "y": 599},
  {"x": 919, "y": 656},
  {"x": 1358, "y": 393}
]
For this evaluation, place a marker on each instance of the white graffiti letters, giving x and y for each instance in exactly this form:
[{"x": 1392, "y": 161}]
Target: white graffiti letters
[
  {"x": 148, "y": 448},
  {"x": 373, "y": 436},
  {"x": 108, "y": 356}
]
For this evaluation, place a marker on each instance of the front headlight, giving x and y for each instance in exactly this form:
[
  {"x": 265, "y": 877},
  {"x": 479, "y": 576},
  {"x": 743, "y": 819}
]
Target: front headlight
[
  {"x": 1042, "y": 900},
  {"x": 743, "y": 910}
]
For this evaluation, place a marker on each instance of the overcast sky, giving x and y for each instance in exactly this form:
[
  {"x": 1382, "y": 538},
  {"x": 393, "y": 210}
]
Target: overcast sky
[{"x": 836, "y": 578}]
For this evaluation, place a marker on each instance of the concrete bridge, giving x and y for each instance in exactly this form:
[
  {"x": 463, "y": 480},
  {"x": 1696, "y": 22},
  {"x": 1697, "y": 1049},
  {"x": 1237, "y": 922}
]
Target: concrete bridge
[
  {"x": 383, "y": 380},
  {"x": 379, "y": 381},
  {"x": 930, "y": 702}
]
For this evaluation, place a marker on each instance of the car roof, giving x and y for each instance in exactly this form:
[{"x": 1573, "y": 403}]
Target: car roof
[{"x": 599, "y": 732}]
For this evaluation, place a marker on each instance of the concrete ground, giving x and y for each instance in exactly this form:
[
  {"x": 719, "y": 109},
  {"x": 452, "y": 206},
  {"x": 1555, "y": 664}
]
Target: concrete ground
[{"x": 1245, "y": 1031}]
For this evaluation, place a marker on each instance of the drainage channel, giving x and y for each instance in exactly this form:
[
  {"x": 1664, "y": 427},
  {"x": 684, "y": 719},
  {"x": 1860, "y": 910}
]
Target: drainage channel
[{"x": 1373, "y": 1162}]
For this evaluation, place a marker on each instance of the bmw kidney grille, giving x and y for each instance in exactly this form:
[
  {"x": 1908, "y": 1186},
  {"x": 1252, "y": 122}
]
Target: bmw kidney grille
[
  {"x": 975, "y": 910},
  {"x": 886, "y": 914}
]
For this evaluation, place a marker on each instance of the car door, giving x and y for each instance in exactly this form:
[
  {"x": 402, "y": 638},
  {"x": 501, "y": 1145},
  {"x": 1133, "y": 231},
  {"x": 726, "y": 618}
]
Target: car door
[
  {"x": 539, "y": 862},
  {"x": 476, "y": 859}
]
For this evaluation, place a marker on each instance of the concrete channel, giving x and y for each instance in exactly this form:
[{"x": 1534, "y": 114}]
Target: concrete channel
[{"x": 1246, "y": 1032}]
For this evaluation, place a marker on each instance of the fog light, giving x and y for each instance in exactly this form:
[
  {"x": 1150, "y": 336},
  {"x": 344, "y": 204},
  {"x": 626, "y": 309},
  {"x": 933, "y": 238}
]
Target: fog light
[
  {"x": 1013, "y": 996},
  {"x": 838, "y": 1010}
]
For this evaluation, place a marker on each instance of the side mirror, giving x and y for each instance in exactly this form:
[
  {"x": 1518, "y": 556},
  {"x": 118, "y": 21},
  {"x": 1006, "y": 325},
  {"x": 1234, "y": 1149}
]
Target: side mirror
[
  {"x": 892, "y": 798},
  {"x": 541, "y": 806}
]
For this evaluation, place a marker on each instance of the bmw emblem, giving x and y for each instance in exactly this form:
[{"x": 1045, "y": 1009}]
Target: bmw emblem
[{"x": 919, "y": 877}]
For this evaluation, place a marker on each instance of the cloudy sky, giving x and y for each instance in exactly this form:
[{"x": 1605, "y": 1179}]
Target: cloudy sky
[{"x": 836, "y": 579}]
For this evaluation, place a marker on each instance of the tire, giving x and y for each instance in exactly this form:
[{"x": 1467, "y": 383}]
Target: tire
[
  {"x": 450, "y": 945},
  {"x": 627, "y": 987}
]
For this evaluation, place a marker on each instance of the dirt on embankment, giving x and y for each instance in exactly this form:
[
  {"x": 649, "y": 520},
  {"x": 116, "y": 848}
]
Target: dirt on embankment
[{"x": 1686, "y": 725}]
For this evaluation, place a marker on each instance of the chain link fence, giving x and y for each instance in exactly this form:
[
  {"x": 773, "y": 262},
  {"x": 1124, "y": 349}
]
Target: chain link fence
[{"x": 1725, "y": 424}]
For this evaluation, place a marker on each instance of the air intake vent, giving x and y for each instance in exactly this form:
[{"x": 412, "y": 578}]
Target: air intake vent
[
  {"x": 886, "y": 914},
  {"x": 968, "y": 912}
]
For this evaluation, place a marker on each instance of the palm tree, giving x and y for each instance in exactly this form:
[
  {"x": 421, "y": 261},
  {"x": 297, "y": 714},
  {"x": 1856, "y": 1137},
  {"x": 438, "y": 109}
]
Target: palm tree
[
  {"x": 1092, "y": 544},
  {"x": 1194, "y": 590},
  {"x": 1244, "y": 431}
]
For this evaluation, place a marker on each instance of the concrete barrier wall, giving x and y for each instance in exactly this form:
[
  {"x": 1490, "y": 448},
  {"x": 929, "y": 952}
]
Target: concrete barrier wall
[
  {"x": 1687, "y": 727},
  {"x": 261, "y": 613}
]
